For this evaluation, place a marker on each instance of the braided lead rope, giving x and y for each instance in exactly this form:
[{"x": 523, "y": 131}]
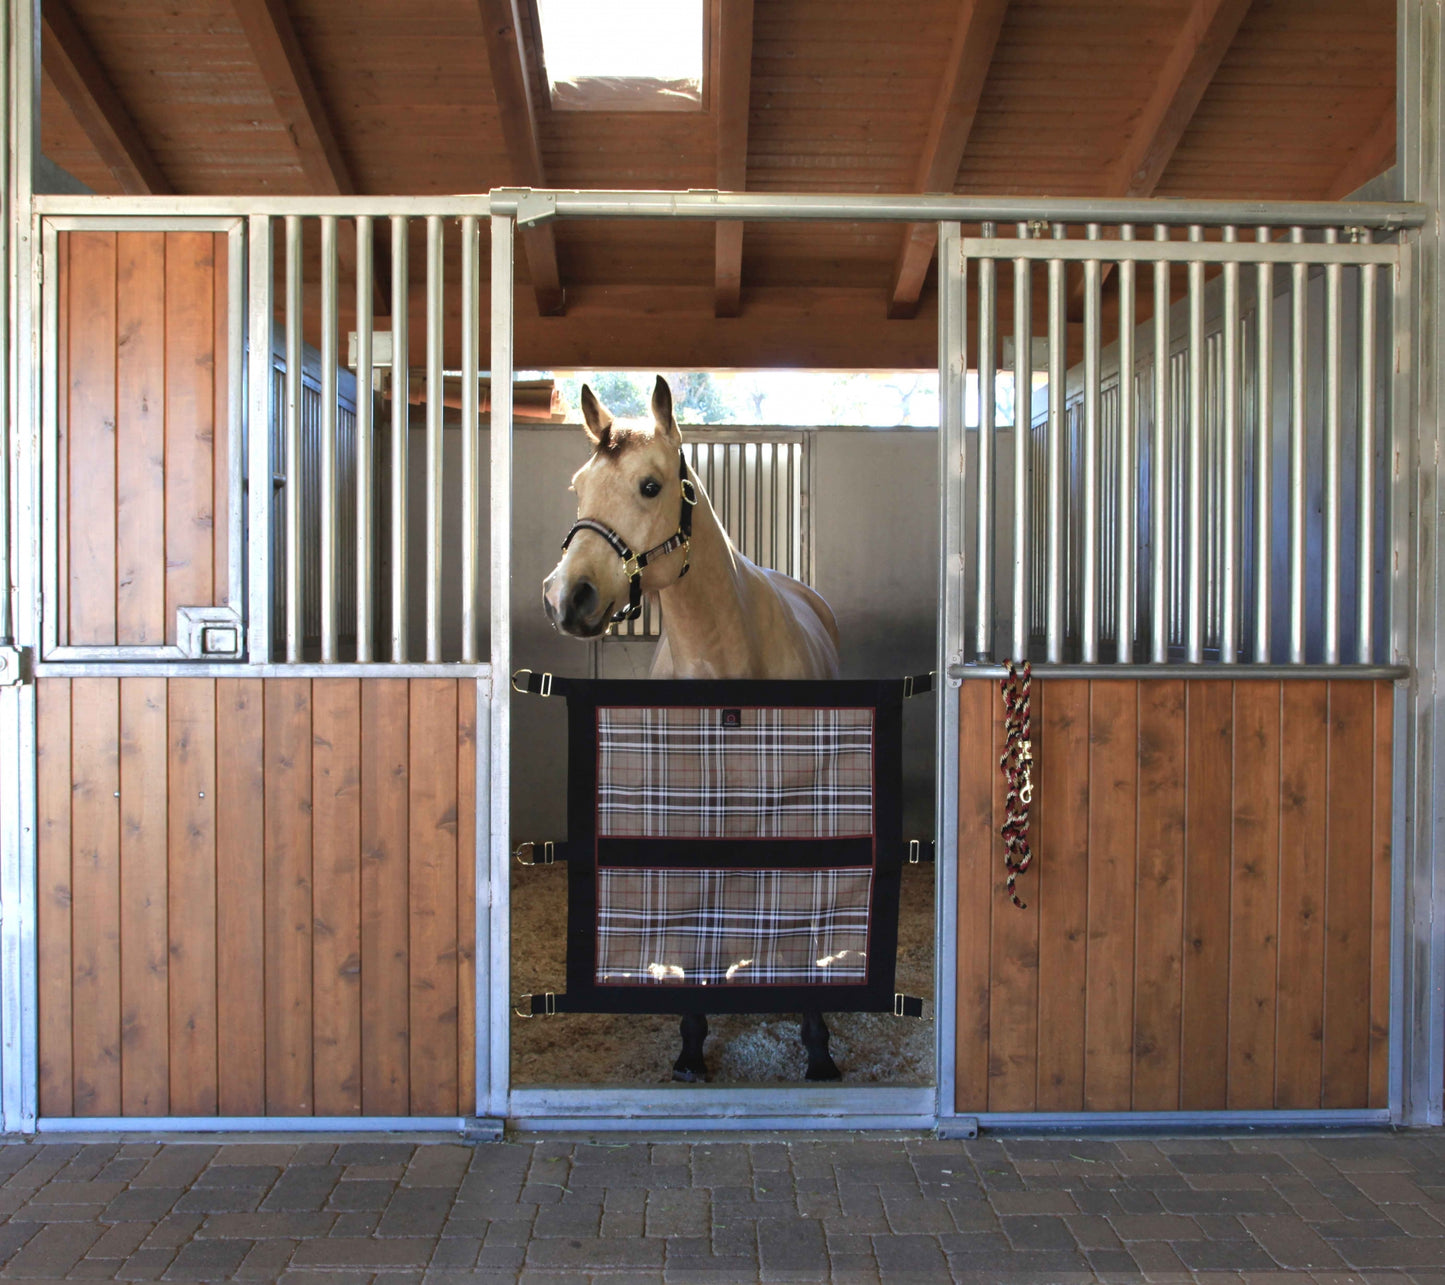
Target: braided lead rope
[{"x": 1016, "y": 763}]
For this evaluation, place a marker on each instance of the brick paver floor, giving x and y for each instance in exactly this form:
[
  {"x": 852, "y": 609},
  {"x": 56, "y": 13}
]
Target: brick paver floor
[{"x": 1328, "y": 1207}]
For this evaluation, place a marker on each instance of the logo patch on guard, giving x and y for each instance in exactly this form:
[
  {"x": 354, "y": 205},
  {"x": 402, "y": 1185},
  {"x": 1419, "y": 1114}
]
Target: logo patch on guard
[{"x": 732, "y": 718}]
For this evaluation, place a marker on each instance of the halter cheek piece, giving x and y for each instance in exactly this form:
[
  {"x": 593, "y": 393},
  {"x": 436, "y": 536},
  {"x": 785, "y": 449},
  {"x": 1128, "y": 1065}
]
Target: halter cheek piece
[{"x": 633, "y": 563}]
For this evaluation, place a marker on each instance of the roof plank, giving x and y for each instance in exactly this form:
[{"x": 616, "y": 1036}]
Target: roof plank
[
  {"x": 1373, "y": 157},
  {"x": 975, "y": 36},
  {"x": 511, "y": 83},
  {"x": 79, "y": 78},
  {"x": 731, "y": 97}
]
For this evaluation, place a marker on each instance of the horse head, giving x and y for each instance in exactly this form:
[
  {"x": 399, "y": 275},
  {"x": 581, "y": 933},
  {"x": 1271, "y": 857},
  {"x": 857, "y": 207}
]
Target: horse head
[{"x": 632, "y": 518}]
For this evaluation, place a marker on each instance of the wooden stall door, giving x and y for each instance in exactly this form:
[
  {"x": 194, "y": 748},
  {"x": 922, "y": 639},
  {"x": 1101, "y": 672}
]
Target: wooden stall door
[
  {"x": 257, "y": 896},
  {"x": 1208, "y": 912},
  {"x": 141, "y": 526}
]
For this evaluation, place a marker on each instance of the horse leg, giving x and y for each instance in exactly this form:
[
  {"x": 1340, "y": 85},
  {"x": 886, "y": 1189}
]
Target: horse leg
[
  {"x": 815, "y": 1041},
  {"x": 690, "y": 1066}
]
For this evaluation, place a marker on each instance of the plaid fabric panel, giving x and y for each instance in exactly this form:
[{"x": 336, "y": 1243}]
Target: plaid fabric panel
[
  {"x": 777, "y": 774},
  {"x": 733, "y": 927}
]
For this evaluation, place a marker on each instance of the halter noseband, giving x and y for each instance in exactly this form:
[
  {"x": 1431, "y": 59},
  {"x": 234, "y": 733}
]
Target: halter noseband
[{"x": 633, "y": 563}]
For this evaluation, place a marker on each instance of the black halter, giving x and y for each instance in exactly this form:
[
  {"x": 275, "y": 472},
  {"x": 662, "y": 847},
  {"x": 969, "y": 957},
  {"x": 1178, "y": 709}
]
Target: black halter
[{"x": 632, "y": 563}]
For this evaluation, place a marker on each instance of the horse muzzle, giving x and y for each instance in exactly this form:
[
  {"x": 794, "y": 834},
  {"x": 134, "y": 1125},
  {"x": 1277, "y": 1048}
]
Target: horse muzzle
[{"x": 575, "y": 607}]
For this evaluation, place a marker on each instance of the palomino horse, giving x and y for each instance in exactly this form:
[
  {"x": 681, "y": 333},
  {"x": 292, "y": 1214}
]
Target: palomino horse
[{"x": 645, "y": 525}]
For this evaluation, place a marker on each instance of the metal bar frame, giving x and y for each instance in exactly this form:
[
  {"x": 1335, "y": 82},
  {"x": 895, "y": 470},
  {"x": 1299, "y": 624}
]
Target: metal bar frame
[{"x": 1195, "y": 250}]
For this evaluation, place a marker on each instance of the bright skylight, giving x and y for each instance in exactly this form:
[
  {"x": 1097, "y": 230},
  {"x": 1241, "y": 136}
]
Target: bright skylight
[{"x": 622, "y": 55}]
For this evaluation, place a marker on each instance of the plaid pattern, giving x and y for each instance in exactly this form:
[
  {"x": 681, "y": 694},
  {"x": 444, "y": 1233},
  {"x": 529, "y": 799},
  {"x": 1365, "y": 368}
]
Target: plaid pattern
[
  {"x": 733, "y": 927},
  {"x": 677, "y": 772}
]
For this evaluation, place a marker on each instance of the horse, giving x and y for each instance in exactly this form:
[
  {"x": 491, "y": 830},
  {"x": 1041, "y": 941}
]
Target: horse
[{"x": 723, "y": 616}]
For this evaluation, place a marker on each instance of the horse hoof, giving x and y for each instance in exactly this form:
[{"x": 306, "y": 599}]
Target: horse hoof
[
  {"x": 688, "y": 1076},
  {"x": 826, "y": 1069}
]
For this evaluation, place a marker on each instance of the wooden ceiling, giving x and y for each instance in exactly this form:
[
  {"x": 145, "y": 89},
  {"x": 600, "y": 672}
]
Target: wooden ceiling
[{"x": 1274, "y": 99}]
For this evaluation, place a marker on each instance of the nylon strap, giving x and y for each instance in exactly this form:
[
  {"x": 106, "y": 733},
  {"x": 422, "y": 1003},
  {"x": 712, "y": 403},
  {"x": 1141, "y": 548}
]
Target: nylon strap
[{"x": 1016, "y": 763}]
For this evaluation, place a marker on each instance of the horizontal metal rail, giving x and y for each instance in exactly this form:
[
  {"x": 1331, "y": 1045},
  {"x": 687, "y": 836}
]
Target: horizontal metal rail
[
  {"x": 1192, "y": 671},
  {"x": 532, "y": 206},
  {"x": 1309, "y": 252}
]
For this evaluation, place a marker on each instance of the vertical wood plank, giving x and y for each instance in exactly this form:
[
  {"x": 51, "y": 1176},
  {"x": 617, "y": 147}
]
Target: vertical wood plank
[
  {"x": 1113, "y": 753},
  {"x": 220, "y": 417},
  {"x": 193, "y": 897},
  {"x": 95, "y": 904},
  {"x": 336, "y": 775},
  {"x": 240, "y": 909},
  {"x": 1060, "y": 879},
  {"x": 1254, "y": 959},
  {"x": 190, "y": 331},
  {"x": 1208, "y": 804},
  {"x": 140, "y": 432},
  {"x": 977, "y": 768},
  {"x": 144, "y": 983},
  {"x": 61, "y": 606},
  {"x": 1349, "y": 880},
  {"x": 91, "y": 462},
  {"x": 1014, "y": 963},
  {"x": 433, "y": 880},
  {"x": 1299, "y": 1024},
  {"x": 289, "y": 1088},
  {"x": 385, "y": 1060},
  {"x": 1159, "y": 897},
  {"x": 467, "y": 693},
  {"x": 52, "y": 817},
  {"x": 1380, "y": 897}
]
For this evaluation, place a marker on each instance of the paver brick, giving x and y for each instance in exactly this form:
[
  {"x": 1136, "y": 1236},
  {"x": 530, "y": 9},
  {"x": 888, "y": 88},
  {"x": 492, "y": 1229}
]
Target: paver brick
[
  {"x": 416, "y": 1211},
  {"x": 1291, "y": 1242},
  {"x": 364, "y": 1251},
  {"x": 54, "y": 1250},
  {"x": 267, "y": 1260},
  {"x": 797, "y": 1250},
  {"x": 120, "y": 1240},
  {"x": 208, "y": 1260},
  {"x": 267, "y": 1225},
  {"x": 1037, "y": 1232},
  {"x": 579, "y": 1252},
  {"x": 147, "y": 1264}
]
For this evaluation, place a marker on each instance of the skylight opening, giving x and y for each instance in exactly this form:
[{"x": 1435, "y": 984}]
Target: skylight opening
[{"x": 622, "y": 55}]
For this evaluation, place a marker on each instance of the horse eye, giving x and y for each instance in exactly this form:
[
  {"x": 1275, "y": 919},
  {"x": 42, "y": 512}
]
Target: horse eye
[{"x": 651, "y": 489}]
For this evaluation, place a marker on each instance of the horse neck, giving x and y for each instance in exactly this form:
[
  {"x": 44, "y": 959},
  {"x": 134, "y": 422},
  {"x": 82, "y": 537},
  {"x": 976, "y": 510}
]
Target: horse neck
[{"x": 705, "y": 605}]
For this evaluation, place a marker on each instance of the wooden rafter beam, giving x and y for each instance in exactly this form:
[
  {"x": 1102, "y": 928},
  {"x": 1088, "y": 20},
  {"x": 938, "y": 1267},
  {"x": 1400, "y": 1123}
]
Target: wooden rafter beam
[
  {"x": 282, "y": 63},
  {"x": 732, "y": 91},
  {"x": 1208, "y": 31},
  {"x": 975, "y": 36},
  {"x": 512, "y": 86},
  {"x": 81, "y": 81},
  {"x": 1371, "y": 158}
]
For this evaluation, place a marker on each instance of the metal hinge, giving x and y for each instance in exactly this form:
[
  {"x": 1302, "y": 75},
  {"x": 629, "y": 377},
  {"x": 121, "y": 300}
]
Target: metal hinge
[{"x": 15, "y": 666}]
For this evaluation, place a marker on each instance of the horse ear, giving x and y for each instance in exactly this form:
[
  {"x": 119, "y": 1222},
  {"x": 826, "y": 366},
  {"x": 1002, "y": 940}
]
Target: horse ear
[
  {"x": 662, "y": 410},
  {"x": 596, "y": 418}
]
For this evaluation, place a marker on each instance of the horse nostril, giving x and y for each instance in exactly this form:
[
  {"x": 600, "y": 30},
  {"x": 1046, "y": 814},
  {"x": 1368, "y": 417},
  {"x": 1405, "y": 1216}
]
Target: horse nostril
[{"x": 584, "y": 599}]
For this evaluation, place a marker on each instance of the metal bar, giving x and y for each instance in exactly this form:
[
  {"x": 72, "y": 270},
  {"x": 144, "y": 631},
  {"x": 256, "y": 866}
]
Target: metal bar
[
  {"x": 1298, "y": 398},
  {"x": 365, "y": 476},
  {"x": 987, "y": 401},
  {"x": 1334, "y": 310},
  {"x": 1128, "y": 477},
  {"x": 7, "y": 620},
  {"x": 1263, "y": 455},
  {"x": 1194, "y": 501},
  {"x": 534, "y": 206},
  {"x": 1023, "y": 422},
  {"x": 1159, "y": 487},
  {"x": 1089, "y": 587},
  {"x": 499, "y": 787},
  {"x": 177, "y": 666},
  {"x": 434, "y": 445},
  {"x": 952, "y": 387},
  {"x": 260, "y": 467},
  {"x": 149, "y": 1126},
  {"x": 471, "y": 427},
  {"x": 50, "y": 534},
  {"x": 1229, "y": 516},
  {"x": 1163, "y": 1121},
  {"x": 1184, "y": 669},
  {"x": 400, "y": 412},
  {"x": 293, "y": 438},
  {"x": 1208, "y": 252},
  {"x": 329, "y": 534},
  {"x": 1365, "y": 470},
  {"x": 1054, "y": 564}
]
